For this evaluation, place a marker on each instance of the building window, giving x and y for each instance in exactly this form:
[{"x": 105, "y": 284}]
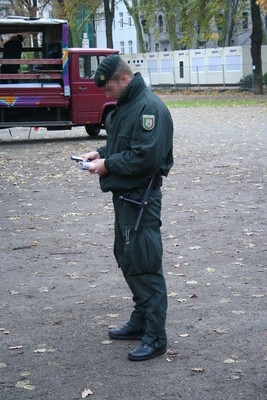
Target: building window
[
  {"x": 245, "y": 20},
  {"x": 122, "y": 47},
  {"x": 129, "y": 20},
  {"x": 143, "y": 23},
  {"x": 198, "y": 65},
  {"x": 152, "y": 66},
  {"x": 121, "y": 19},
  {"x": 215, "y": 64},
  {"x": 166, "y": 66},
  {"x": 160, "y": 23},
  {"x": 130, "y": 47},
  {"x": 233, "y": 63}
]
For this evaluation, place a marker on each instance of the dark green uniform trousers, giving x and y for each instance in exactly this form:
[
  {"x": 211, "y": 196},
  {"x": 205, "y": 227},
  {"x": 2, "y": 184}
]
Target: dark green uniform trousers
[{"x": 139, "y": 255}]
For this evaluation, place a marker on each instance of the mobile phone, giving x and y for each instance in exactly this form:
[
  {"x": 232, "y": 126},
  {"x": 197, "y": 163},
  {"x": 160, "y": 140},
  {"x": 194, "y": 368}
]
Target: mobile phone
[{"x": 76, "y": 158}]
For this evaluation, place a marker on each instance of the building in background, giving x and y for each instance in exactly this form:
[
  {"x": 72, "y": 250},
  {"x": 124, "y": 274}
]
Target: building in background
[
  {"x": 124, "y": 32},
  {"x": 125, "y": 37}
]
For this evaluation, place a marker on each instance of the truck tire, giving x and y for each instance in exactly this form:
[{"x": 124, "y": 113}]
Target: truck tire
[{"x": 92, "y": 130}]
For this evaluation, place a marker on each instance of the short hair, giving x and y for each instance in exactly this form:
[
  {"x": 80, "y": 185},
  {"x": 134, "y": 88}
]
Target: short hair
[{"x": 124, "y": 69}]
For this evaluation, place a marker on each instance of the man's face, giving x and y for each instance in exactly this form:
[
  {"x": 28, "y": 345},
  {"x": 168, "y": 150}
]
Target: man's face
[{"x": 114, "y": 89}]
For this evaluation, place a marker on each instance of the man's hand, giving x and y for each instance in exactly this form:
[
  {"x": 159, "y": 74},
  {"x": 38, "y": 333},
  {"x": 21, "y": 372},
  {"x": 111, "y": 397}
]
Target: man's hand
[
  {"x": 92, "y": 155},
  {"x": 98, "y": 164},
  {"x": 98, "y": 167}
]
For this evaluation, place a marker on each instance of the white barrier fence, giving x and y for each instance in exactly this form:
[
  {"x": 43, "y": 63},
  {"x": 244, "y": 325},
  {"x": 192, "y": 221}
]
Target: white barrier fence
[{"x": 218, "y": 66}]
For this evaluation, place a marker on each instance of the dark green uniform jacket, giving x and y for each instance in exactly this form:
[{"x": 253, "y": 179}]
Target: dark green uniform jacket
[
  {"x": 139, "y": 142},
  {"x": 139, "y": 146}
]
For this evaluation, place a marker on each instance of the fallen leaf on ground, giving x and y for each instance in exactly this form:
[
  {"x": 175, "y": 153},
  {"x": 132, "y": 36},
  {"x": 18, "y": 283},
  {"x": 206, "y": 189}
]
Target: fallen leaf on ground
[
  {"x": 172, "y": 353},
  {"x": 229, "y": 361},
  {"x": 87, "y": 392},
  {"x": 40, "y": 351},
  {"x": 238, "y": 312},
  {"x": 113, "y": 315},
  {"x": 106, "y": 342},
  {"x": 172, "y": 294},
  {"x": 14, "y": 292},
  {"x": 236, "y": 377},
  {"x": 25, "y": 384},
  {"x": 218, "y": 330},
  {"x": 25, "y": 373},
  {"x": 211, "y": 270}
]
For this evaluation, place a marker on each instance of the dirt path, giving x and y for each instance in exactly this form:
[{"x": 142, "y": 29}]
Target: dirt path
[{"x": 60, "y": 288}]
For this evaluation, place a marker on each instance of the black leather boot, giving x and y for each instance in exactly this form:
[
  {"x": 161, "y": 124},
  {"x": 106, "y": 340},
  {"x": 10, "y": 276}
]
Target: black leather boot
[
  {"x": 145, "y": 352},
  {"x": 127, "y": 332}
]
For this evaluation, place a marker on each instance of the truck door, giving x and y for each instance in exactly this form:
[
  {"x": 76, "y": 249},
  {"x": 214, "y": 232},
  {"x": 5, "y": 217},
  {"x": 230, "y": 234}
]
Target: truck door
[{"x": 87, "y": 98}]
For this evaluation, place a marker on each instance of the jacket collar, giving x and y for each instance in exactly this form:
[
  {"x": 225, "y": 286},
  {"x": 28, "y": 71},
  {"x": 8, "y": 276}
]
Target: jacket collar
[{"x": 136, "y": 85}]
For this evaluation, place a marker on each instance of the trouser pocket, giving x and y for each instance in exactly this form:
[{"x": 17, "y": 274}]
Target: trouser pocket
[{"x": 142, "y": 250}]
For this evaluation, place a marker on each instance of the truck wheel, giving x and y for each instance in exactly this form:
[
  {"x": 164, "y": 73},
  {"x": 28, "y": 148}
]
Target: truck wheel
[{"x": 92, "y": 130}]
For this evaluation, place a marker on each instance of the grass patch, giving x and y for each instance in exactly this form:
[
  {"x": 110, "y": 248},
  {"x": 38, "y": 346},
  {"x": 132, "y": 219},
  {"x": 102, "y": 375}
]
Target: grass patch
[{"x": 215, "y": 103}]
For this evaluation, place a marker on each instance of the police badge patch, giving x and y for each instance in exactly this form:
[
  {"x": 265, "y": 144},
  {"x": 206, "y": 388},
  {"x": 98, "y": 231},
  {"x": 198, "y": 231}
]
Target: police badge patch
[{"x": 148, "y": 122}]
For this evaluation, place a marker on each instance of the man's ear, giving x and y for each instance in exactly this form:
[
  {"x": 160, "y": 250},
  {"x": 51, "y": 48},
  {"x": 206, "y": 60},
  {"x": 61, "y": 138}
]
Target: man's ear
[{"x": 125, "y": 78}]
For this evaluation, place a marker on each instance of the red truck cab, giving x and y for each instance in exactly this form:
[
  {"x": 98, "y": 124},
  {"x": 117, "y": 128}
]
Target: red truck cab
[
  {"x": 54, "y": 87},
  {"x": 88, "y": 103}
]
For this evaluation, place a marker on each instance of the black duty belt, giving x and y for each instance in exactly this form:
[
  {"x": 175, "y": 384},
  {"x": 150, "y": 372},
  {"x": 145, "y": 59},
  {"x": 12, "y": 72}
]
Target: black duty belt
[{"x": 154, "y": 183}]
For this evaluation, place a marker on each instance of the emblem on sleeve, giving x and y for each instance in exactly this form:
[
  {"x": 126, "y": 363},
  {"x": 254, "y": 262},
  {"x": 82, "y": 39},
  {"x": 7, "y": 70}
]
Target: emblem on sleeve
[{"x": 148, "y": 122}]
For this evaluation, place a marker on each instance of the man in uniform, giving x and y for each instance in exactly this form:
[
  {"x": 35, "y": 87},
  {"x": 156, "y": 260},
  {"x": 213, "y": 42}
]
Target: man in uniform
[{"x": 137, "y": 154}]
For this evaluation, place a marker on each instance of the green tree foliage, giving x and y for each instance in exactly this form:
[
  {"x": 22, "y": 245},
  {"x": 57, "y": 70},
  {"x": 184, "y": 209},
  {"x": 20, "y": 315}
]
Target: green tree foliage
[
  {"x": 199, "y": 20},
  {"x": 263, "y": 5},
  {"x": 195, "y": 19},
  {"x": 78, "y": 13},
  {"x": 213, "y": 20}
]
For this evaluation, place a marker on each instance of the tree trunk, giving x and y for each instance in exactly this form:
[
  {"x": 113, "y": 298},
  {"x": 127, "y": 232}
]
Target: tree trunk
[
  {"x": 141, "y": 45},
  {"x": 171, "y": 23},
  {"x": 134, "y": 12},
  {"x": 256, "y": 42},
  {"x": 230, "y": 25},
  {"x": 109, "y": 15}
]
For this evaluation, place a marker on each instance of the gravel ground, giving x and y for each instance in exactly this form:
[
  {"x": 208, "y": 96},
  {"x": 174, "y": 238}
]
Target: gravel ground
[{"x": 60, "y": 287}]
